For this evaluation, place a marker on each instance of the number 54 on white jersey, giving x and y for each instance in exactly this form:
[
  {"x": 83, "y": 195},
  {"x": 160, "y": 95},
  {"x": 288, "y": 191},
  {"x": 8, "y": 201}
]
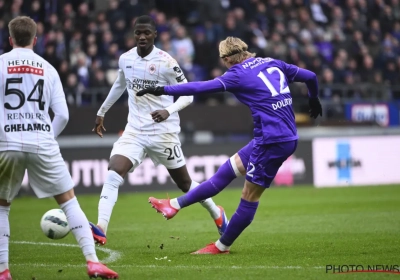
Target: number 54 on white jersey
[{"x": 29, "y": 85}]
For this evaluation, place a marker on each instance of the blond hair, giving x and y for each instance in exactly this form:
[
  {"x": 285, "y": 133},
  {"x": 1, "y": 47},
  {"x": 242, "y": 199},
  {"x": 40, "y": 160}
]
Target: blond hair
[
  {"x": 22, "y": 30},
  {"x": 234, "y": 48}
]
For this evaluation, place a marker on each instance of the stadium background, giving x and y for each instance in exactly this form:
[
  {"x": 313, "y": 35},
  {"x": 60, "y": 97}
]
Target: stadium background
[
  {"x": 301, "y": 226},
  {"x": 353, "y": 47}
]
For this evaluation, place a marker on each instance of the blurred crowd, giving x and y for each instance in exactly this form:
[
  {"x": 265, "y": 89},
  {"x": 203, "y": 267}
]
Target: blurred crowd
[{"x": 346, "y": 42}]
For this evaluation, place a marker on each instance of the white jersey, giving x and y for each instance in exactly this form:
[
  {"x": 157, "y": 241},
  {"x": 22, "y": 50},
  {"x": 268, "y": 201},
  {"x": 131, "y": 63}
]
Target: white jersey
[
  {"x": 136, "y": 73},
  {"x": 29, "y": 85}
]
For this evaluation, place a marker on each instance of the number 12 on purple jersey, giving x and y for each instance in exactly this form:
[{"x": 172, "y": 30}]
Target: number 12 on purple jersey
[{"x": 271, "y": 81}]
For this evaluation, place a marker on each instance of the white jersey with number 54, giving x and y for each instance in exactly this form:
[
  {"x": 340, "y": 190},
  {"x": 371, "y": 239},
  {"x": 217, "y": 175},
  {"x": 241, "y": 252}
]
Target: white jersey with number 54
[{"x": 29, "y": 85}]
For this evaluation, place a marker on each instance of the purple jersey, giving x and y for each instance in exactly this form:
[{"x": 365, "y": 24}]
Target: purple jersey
[{"x": 262, "y": 85}]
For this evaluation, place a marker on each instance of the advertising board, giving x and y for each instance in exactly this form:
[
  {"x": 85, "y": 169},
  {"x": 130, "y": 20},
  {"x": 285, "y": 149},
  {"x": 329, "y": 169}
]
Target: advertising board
[
  {"x": 350, "y": 161},
  {"x": 88, "y": 168},
  {"x": 384, "y": 114}
]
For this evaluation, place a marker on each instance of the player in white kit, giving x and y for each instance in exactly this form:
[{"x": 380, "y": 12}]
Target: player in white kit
[
  {"x": 29, "y": 86},
  {"x": 153, "y": 124}
]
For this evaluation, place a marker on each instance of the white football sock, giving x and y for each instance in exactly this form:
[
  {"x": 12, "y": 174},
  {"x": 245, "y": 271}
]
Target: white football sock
[
  {"x": 80, "y": 228},
  {"x": 108, "y": 198},
  {"x": 221, "y": 246},
  {"x": 209, "y": 204},
  {"x": 174, "y": 203},
  {"x": 4, "y": 237}
]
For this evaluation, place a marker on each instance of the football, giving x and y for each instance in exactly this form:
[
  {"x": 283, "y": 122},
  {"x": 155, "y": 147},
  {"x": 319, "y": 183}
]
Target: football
[{"x": 54, "y": 224}]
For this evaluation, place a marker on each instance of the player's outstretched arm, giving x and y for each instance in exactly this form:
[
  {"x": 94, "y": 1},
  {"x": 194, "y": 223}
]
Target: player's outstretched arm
[
  {"x": 157, "y": 91},
  {"x": 192, "y": 88},
  {"x": 174, "y": 75}
]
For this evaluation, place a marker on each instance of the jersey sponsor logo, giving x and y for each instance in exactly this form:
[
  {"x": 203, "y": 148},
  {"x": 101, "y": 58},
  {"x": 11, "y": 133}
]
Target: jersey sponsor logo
[
  {"x": 180, "y": 78},
  {"x": 177, "y": 70},
  {"x": 25, "y": 66},
  {"x": 27, "y": 127},
  {"x": 256, "y": 62},
  {"x": 152, "y": 69},
  {"x": 138, "y": 84},
  {"x": 25, "y": 116},
  {"x": 282, "y": 103}
]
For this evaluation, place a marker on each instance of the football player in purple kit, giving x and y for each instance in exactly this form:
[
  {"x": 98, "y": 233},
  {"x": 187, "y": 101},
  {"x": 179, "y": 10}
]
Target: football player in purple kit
[{"x": 262, "y": 85}]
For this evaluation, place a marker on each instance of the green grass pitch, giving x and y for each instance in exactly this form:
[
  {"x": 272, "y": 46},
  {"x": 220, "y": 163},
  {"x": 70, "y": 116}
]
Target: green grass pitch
[{"x": 295, "y": 234}]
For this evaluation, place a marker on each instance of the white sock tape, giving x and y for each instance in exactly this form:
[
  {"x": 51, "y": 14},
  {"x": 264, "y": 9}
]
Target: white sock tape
[{"x": 234, "y": 166}]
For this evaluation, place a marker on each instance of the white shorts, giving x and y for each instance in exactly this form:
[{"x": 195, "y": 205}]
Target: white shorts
[
  {"x": 162, "y": 149},
  {"x": 48, "y": 175}
]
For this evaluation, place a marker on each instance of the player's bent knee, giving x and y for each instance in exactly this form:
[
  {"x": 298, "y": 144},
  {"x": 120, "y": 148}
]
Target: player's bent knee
[{"x": 120, "y": 164}]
